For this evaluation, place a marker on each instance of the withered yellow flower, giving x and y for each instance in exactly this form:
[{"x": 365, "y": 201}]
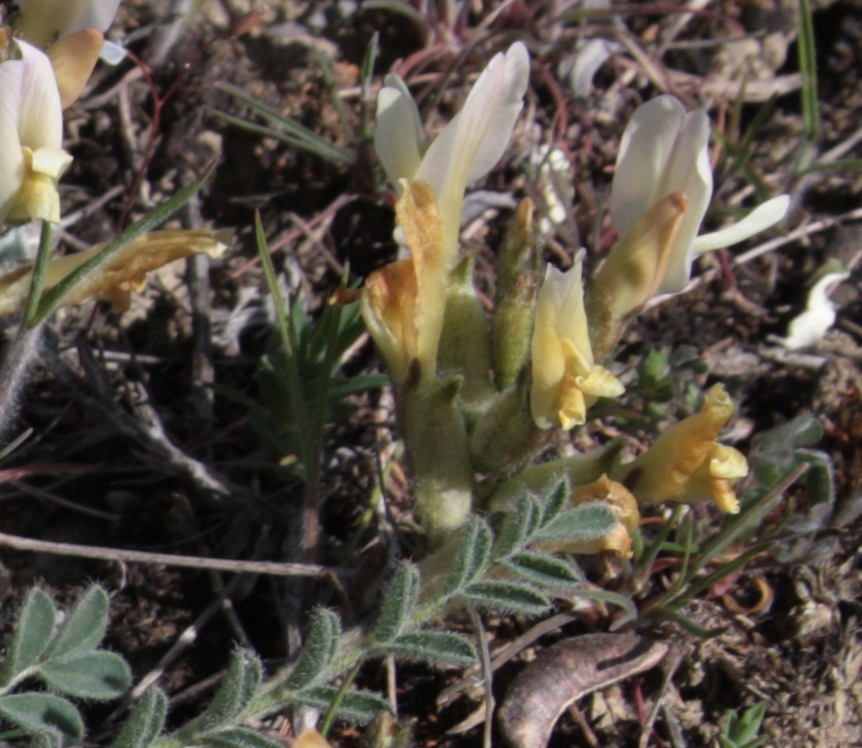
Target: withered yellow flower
[
  {"x": 621, "y": 502},
  {"x": 687, "y": 463},
  {"x": 116, "y": 279},
  {"x": 566, "y": 379},
  {"x": 403, "y": 303}
]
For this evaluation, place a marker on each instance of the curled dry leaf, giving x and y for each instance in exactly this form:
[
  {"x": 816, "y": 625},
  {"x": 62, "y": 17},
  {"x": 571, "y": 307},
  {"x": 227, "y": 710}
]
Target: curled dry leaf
[
  {"x": 117, "y": 277},
  {"x": 565, "y": 672}
]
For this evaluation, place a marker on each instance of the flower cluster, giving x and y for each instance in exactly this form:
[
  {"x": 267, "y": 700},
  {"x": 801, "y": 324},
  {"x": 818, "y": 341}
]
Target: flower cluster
[{"x": 461, "y": 418}]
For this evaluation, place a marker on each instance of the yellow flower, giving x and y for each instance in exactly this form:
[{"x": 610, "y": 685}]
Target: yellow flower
[
  {"x": 566, "y": 379},
  {"x": 687, "y": 463},
  {"x": 403, "y": 303}
]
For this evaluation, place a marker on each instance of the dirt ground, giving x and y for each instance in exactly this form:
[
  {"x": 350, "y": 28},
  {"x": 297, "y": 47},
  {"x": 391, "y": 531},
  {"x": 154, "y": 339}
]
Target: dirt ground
[{"x": 132, "y": 449}]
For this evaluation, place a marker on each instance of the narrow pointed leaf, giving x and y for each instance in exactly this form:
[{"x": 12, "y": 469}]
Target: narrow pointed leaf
[
  {"x": 357, "y": 706},
  {"x": 398, "y": 603},
  {"x": 554, "y": 500},
  {"x": 543, "y": 570},
  {"x": 434, "y": 647},
  {"x": 236, "y": 691},
  {"x": 320, "y": 645},
  {"x": 145, "y": 723},
  {"x": 507, "y": 597}
]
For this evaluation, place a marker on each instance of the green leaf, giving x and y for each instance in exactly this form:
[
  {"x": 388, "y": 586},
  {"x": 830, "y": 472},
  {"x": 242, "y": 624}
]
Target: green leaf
[
  {"x": 35, "y": 712},
  {"x": 819, "y": 481},
  {"x": 581, "y": 523},
  {"x": 83, "y": 629},
  {"x": 507, "y": 597},
  {"x": 554, "y": 500},
  {"x": 321, "y": 642},
  {"x": 93, "y": 675},
  {"x": 803, "y": 431},
  {"x": 46, "y": 739},
  {"x": 517, "y": 526},
  {"x": 284, "y": 128},
  {"x": 238, "y": 737},
  {"x": 543, "y": 570},
  {"x": 398, "y": 603},
  {"x": 441, "y": 647},
  {"x": 472, "y": 556},
  {"x": 357, "y": 706},
  {"x": 145, "y": 723},
  {"x": 33, "y": 632},
  {"x": 238, "y": 688}
]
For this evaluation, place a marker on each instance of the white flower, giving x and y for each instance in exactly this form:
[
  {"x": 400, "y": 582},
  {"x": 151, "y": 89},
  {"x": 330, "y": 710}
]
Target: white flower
[
  {"x": 42, "y": 22},
  {"x": 566, "y": 379},
  {"x": 469, "y": 146},
  {"x": 31, "y": 137},
  {"x": 665, "y": 150},
  {"x": 818, "y": 317}
]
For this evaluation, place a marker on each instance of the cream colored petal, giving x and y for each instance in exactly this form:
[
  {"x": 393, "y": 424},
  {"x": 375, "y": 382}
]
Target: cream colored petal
[
  {"x": 600, "y": 383},
  {"x": 688, "y": 172},
  {"x": 548, "y": 359},
  {"x": 40, "y": 122},
  {"x": 11, "y": 157},
  {"x": 761, "y": 218},
  {"x": 474, "y": 140},
  {"x": 398, "y": 138},
  {"x": 566, "y": 292},
  {"x": 52, "y": 162},
  {"x": 645, "y": 148}
]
